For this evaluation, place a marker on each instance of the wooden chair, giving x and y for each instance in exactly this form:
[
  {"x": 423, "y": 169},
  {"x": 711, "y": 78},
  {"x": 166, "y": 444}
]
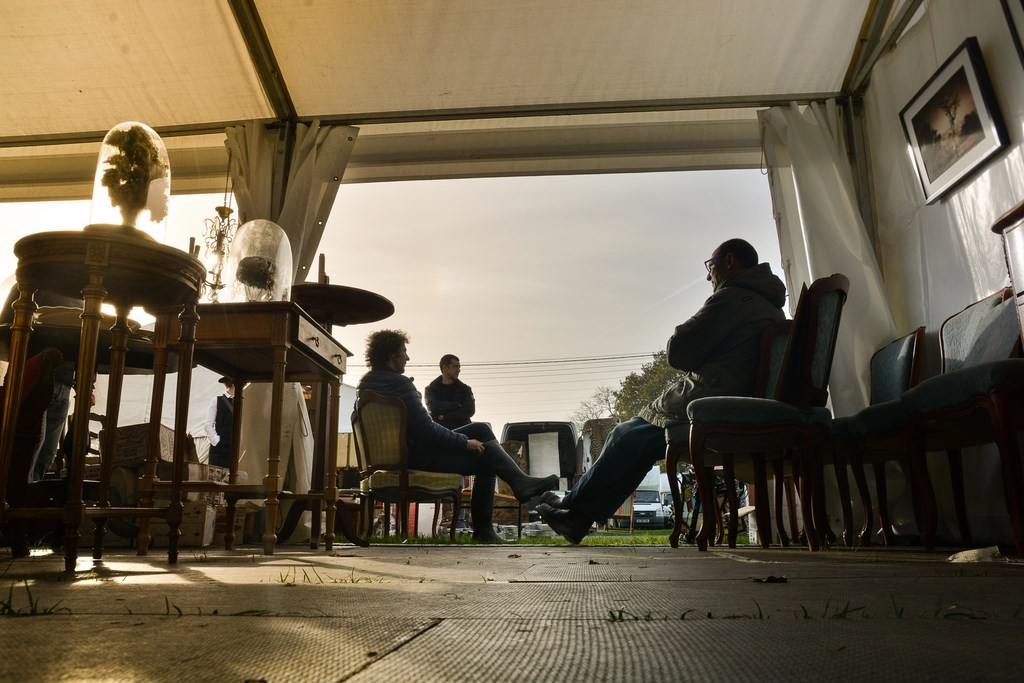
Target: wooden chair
[
  {"x": 795, "y": 420},
  {"x": 773, "y": 346},
  {"x": 379, "y": 426},
  {"x": 978, "y": 399},
  {"x": 881, "y": 432}
]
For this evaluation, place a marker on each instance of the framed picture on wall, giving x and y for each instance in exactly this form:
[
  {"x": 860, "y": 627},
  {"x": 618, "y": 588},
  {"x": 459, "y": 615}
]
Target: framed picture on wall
[
  {"x": 953, "y": 124},
  {"x": 1014, "y": 10}
]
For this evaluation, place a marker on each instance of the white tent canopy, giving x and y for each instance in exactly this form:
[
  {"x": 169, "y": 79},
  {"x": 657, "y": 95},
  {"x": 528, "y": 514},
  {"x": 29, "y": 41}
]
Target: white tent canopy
[{"x": 438, "y": 88}]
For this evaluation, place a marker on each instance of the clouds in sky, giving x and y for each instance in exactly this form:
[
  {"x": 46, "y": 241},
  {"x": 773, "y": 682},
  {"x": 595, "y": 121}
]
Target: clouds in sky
[{"x": 539, "y": 268}]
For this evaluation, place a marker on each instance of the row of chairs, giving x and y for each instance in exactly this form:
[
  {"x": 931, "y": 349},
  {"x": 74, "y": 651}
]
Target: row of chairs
[{"x": 975, "y": 400}]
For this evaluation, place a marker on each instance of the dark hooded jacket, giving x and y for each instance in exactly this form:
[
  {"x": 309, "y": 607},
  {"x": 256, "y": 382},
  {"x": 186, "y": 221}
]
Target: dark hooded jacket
[
  {"x": 719, "y": 347},
  {"x": 455, "y": 401}
]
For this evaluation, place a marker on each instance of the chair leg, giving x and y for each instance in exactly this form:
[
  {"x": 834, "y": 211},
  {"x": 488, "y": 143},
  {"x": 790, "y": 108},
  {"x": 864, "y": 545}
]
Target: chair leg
[
  {"x": 882, "y": 489},
  {"x": 843, "y": 482},
  {"x": 386, "y": 523},
  {"x": 925, "y": 492},
  {"x": 761, "y": 512},
  {"x": 779, "y": 475},
  {"x": 857, "y": 465},
  {"x": 792, "y": 484},
  {"x": 705, "y": 485},
  {"x": 806, "y": 463},
  {"x": 729, "y": 474},
  {"x": 1004, "y": 425},
  {"x": 672, "y": 467},
  {"x": 956, "y": 478},
  {"x": 822, "y": 526},
  {"x": 719, "y": 535},
  {"x": 403, "y": 518}
]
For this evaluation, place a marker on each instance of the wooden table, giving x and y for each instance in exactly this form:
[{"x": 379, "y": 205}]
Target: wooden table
[
  {"x": 101, "y": 264},
  {"x": 263, "y": 342},
  {"x": 341, "y": 305}
]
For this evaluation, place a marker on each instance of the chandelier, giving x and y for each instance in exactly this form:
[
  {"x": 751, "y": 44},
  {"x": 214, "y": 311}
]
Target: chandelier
[{"x": 217, "y": 236}]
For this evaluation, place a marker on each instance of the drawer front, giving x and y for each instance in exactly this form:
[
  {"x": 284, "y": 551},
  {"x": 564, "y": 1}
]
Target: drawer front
[{"x": 321, "y": 344}]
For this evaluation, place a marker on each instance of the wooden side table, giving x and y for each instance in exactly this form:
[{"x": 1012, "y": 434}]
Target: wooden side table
[
  {"x": 101, "y": 264},
  {"x": 274, "y": 341}
]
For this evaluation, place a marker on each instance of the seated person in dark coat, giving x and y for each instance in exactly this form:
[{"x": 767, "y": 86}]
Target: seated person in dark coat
[
  {"x": 717, "y": 351},
  {"x": 450, "y": 400}
]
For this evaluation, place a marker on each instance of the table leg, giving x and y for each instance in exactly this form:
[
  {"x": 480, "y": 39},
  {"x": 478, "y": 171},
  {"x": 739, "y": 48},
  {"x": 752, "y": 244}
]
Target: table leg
[
  {"x": 146, "y": 483},
  {"x": 331, "y": 487},
  {"x": 271, "y": 483},
  {"x": 186, "y": 347},
  {"x": 236, "y": 439},
  {"x": 118, "y": 351},
  {"x": 24, "y": 307},
  {"x": 74, "y": 510}
]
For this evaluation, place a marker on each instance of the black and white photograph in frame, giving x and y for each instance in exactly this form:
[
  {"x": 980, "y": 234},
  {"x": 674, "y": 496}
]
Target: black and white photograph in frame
[{"x": 953, "y": 124}]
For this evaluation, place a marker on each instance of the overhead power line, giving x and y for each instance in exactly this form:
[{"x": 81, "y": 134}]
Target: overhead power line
[{"x": 542, "y": 361}]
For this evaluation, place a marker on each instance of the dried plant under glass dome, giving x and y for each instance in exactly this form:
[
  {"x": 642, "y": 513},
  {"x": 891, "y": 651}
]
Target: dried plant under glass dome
[
  {"x": 133, "y": 176},
  {"x": 259, "y": 266}
]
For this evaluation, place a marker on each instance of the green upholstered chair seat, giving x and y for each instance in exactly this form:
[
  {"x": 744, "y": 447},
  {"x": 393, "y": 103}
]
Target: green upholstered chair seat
[
  {"x": 434, "y": 482},
  {"x": 947, "y": 391},
  {"x": 756, "y": 412},
  {"x": 875, "y": 420},
  {"x": 755, "y": 425}
]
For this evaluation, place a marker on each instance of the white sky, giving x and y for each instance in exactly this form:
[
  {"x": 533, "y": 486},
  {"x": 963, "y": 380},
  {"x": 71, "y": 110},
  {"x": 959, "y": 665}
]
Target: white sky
[{"x": 512, "y": 269}]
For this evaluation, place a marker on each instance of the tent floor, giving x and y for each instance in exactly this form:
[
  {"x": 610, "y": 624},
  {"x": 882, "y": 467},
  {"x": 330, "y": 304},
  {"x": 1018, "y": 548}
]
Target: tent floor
[{"x": 512, "y": 613}]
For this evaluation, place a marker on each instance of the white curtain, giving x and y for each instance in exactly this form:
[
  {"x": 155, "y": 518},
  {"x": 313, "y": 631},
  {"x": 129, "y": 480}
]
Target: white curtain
[
  {"x": 318, "y": 159},
  {"x": 821, "y": 232}
]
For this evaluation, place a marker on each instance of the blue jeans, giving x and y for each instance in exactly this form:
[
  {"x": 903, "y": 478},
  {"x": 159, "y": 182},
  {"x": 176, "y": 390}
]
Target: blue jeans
[
  {"x": 53, "y": 427},
  {"x": 630, "y": 452},
  {"x": 434, "y": 459}
]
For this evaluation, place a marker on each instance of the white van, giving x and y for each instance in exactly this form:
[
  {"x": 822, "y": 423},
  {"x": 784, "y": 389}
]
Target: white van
[{"x": 647, "y": 508}]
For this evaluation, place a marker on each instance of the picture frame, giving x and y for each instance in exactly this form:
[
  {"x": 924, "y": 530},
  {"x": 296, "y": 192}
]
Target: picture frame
[
  {"x": 1014, "y": 11},
  {"x": 953, "y": 124}
]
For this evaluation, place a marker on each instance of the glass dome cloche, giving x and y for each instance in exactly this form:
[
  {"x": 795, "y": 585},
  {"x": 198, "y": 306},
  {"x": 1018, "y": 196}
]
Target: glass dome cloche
[
  {"x": 132, "y": 189},
  {"x": 259, "y": 265}
]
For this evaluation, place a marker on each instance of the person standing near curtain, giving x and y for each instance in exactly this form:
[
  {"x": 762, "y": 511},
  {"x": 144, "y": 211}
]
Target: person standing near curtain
[{"x": 220, "y": 418}]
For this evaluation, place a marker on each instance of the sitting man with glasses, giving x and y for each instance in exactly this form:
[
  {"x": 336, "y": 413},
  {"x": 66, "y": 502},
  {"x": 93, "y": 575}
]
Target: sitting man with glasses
[{"x": 717, "y": 350}]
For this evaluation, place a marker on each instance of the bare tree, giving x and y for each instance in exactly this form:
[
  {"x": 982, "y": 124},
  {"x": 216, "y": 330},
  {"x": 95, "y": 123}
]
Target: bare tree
[
  {"x": 601, "y": 404},
  {"x": 949, "y": 103}
]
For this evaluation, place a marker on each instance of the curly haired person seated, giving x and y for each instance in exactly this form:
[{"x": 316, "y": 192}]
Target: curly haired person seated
[{"x": 468, "y": 450}]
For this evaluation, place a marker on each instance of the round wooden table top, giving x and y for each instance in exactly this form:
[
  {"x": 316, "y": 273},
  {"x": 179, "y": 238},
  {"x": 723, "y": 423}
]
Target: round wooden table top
[
  {"x": 135, "y": 272},
  {"x": 341, "y": 305}
]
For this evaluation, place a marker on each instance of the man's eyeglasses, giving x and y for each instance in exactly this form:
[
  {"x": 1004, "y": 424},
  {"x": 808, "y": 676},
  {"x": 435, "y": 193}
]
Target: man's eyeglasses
[{"x": 710, "y": 262}]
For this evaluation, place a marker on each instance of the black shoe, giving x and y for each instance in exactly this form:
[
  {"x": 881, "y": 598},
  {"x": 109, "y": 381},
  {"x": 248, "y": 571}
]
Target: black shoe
[
  {"x": 531, "y": 487},
  {"x": 571, "y": 526},
  {"x": 552, "y": 498},
  {"x": 487, "y": 535}
]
